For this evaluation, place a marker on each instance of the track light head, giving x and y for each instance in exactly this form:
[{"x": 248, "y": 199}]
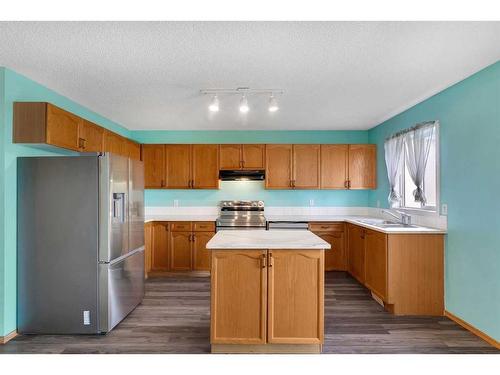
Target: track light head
[
  {"x": 214, "y": 104},
  {"x": 273, "y": 104},
  {"x": 244, "y": 108}
]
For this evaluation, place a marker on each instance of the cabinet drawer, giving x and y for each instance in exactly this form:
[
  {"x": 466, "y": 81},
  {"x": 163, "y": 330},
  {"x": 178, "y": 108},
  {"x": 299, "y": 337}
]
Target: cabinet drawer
[
  {"x": 180, "y": 226},
  {"x": 326, "y": 227},
  {"x": 204, "y": 226}
]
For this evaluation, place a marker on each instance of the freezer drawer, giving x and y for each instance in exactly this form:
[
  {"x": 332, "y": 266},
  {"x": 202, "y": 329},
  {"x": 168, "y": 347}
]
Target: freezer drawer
[{"x": 121, "y": 288}]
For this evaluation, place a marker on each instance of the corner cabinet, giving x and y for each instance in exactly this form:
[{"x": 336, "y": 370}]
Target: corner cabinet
[
  {"x": 262, "y": 297},
  {"x": 404, "y": 271},
  {"x": 334, "y": 234}
]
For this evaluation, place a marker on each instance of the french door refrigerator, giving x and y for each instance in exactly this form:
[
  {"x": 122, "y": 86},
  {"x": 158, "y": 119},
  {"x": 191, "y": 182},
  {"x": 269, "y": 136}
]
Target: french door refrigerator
[{"x": 80, "y": 242}]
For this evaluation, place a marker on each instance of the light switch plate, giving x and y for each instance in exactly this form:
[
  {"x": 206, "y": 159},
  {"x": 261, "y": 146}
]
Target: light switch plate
[
  {"x": 444, "y": 209},
  {"x": 176, "y": 203},
  {"x": 311, "y": 202}
]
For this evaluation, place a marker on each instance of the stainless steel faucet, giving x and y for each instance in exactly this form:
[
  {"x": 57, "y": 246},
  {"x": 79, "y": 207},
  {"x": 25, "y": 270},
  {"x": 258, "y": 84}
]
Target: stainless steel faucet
[{"x": 405, "y": 219}]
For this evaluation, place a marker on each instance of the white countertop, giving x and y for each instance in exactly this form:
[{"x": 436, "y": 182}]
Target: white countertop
[
  {"x": 417, "y": 229},
  {"x": 192, "y": 217},
  {"x": 266, "y": 239}
]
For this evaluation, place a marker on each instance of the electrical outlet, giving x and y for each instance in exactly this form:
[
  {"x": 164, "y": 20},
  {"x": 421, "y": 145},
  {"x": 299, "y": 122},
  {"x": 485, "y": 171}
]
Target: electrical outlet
[
  {"x": 176, "y": 203},
  {"x": 311, "y": 202},
  {"x": 444, "y": 209},
  {"x": 86, "y": 317},
  {"x": 378, "y": 203}
]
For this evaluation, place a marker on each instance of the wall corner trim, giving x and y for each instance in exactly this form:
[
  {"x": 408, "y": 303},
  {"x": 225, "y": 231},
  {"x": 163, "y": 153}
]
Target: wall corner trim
[
  {"x": 5, "y": 339},
  {"x": 490, "y": 340}
]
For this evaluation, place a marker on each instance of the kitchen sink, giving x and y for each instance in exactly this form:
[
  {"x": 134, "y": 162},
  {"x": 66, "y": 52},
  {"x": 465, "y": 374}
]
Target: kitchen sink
[{"x": 385, "y": 223}]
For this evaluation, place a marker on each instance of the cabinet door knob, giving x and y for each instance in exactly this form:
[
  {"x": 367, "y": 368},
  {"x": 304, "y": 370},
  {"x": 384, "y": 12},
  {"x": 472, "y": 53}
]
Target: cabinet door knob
[{"x": 271, "y": 259}]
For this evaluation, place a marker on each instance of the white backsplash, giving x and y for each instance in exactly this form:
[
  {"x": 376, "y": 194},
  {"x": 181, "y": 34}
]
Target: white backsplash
[{"x": 433, "y": 221}]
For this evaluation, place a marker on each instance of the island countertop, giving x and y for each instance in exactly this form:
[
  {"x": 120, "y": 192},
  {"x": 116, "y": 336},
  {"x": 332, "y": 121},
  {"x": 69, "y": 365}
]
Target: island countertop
[{"x": 266, "y": 239}]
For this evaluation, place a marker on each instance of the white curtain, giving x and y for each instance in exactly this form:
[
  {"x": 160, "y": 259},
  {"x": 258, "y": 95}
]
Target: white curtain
[
  {"x": 418, "y": 142},
  {"x": 393, "y": 148}
]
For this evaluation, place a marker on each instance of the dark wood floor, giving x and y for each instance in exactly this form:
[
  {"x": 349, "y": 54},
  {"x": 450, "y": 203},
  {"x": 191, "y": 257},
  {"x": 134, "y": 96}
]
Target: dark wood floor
[{"x": 175, "y": 315}]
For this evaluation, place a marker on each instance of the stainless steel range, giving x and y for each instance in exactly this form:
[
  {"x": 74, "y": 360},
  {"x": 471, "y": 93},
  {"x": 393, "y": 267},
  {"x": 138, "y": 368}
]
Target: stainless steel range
[{"x": 241, "y": 215}]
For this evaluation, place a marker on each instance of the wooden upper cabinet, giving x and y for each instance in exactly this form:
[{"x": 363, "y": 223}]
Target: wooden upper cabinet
[
  {"x": 40, "y": 122},
  {"x": 356, "y": 251},
  {"x": 134, "y": 150},
  {"x": 230, "y": 157},
  {"x": 334, "y": 166},
  {"x": 238, "y": 297},
  {"x": 91, "y": 137},
  {"x": 205, "y": 167},
  {"x": 44, "y": 123},
  {"x": 154, "y": 166},
  {"x": 296, "y": 301},
  {"x": 178, "y": 166},
  {"x": 253, "y": 156},
  {"x": 363, "y": 166},
  {"x": 306, "y": 167},
  {"x": 245, "y": 156},
  {"x": 376, "y": 262},
  {"x": 62, "y": 128},
  {"x": 279, "y": 166}
]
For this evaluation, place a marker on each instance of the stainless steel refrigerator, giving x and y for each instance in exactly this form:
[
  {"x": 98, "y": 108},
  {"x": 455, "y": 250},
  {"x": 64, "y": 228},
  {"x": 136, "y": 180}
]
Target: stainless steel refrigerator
[{"x": 80, "y": 242}]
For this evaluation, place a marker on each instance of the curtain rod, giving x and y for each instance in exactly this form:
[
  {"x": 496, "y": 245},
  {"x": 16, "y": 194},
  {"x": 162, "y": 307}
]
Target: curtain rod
[{"x": 413, "y": 128}]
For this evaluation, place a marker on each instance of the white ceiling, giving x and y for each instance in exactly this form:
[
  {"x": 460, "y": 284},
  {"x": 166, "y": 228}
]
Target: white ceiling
[{"x": 336, "y": 75}]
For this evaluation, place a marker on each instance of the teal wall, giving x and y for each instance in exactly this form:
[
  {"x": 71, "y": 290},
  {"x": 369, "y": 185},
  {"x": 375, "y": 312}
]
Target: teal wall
[
  {"x": 15, "y": 87},
  {"x": 253, "y": 189},
  {"x": 469, "y": 116},
  {"x": 250, "y": 136}
]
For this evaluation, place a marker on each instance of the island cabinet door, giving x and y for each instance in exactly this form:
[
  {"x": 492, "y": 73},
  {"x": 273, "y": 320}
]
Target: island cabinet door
[
  {"x": 295, "y": 296},
  {"x": 238, "y": 297}
]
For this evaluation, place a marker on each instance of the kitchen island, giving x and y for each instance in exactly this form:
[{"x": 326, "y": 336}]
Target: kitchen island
[{"x": 267, "y": 291}]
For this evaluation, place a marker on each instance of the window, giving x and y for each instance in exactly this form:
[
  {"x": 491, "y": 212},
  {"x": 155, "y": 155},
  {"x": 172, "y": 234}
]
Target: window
[{"x": 405, "y": 185}]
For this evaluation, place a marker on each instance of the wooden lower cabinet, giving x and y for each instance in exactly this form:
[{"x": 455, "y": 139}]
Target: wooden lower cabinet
[
  {"x": 356, "y": 253},
  {"x": 201, "y": 256},
  {"x": 267, "y": 297},
  {"x": 295, "y": 296},
  {"x": 178, "y": 246},
  {"x": 180, "y": 251},
  {"x": 238, "y": 297},
  {"x": 376, "y": 263},
  {"x": 157, "y": 243},
  {"x": 405, "y": 271},
  {"x": 333, "y": 233}
]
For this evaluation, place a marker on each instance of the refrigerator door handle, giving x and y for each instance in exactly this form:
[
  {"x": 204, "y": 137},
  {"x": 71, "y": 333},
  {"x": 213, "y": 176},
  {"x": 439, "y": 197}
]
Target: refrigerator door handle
[{"x": 119, "y": 207}]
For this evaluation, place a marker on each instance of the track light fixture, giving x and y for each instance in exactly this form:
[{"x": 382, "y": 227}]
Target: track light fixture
[{"x": 245, "y": 92}]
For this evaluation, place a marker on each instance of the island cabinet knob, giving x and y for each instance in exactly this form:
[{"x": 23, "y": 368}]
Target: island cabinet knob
[
  {"x": 263, "y": 260},
  {"x": 270, "y": 259}
]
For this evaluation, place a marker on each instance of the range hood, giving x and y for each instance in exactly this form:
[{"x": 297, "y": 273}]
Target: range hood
[{"x": 237, "y": 175}]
